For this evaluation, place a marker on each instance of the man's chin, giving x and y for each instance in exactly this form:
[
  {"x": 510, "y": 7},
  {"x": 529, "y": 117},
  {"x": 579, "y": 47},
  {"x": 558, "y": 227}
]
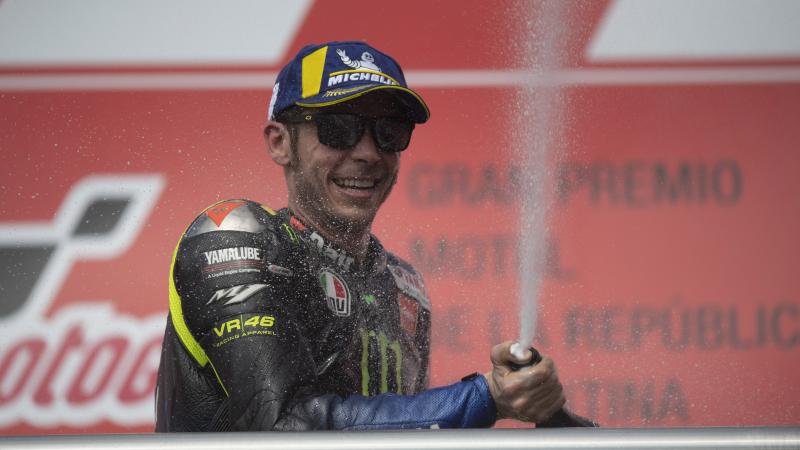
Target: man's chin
[{"x": 352, "y": 217}]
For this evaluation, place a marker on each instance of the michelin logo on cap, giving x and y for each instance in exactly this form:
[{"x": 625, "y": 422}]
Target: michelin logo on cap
[
  {"x": 367, "y": 61},
  {"x": 321, "y": 75},
  {"x": 364, "y": 71}
]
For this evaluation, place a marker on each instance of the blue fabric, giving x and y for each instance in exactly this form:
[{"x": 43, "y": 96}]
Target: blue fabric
[
  {"x": 350, "y": 69},
  {"x": 467, "y": 404}
]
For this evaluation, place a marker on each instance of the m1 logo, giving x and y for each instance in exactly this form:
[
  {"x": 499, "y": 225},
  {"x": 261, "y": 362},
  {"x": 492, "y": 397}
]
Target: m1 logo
[{"x": 85, "y": 362}]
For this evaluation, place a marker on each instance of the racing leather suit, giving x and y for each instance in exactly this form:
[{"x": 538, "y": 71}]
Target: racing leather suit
[{"x": 271, "y": 327}]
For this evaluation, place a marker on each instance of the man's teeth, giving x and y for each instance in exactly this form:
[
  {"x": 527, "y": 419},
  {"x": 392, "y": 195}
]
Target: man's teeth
[{"x": 355, "y": 183}]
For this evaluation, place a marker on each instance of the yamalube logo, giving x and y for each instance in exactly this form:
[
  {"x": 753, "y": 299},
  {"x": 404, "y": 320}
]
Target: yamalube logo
[
  {"x": 85, "y": 362},
  {"x": 230, "y": 261},
  {"x": 232, "y": 254},
  {"x": 337, "y": 295}
]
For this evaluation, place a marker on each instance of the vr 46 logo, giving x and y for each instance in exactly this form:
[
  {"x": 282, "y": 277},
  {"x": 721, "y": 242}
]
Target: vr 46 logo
[
  {"x": 243, "y": 326},
  {"x": 237, "y": 325}
]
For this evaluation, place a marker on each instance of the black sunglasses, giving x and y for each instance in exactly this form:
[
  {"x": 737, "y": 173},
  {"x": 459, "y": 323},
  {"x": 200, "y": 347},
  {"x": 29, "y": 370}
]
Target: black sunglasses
[{"x": 343, "y": 131}]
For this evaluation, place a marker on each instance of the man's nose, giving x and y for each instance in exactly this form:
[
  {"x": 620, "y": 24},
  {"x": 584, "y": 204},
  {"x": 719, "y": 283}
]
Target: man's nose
[{"x": 366, "y": 149}]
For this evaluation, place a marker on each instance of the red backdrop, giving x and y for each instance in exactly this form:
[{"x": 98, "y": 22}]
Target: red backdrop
[{"x": 671, "y": 289}]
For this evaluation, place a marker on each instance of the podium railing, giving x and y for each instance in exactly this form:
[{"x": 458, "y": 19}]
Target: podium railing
[{"x": 596, "y": 439}]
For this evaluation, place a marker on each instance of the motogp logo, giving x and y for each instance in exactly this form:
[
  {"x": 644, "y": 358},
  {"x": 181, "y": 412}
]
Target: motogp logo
[{"x": 84, "y": 362}]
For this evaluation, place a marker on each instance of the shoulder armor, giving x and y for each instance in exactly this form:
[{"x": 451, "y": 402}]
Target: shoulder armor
[
  {"x": 231, "y": 215},
  {"x": 408, "y": 280}
]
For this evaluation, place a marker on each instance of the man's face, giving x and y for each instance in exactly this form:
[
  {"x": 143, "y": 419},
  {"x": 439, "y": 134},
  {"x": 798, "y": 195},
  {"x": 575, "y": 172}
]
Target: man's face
[{"x": 343, "y": 189}]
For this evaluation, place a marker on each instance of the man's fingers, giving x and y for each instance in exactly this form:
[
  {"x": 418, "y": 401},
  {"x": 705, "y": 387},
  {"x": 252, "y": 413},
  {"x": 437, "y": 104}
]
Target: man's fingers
[
  {"x": 538, "y": 392},
  {"x": 532, "y": 393},
  {"x": 547, "y": 393},
  {"x": 520, "y": 354},
  {"x": 543, "y": 407},
  {"x": 541, "y": 373},
  {"x": 502, "y": 355}
]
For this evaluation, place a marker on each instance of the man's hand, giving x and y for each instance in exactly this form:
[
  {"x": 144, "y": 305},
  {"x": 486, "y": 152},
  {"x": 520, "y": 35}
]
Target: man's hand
[{"x": 531, "y": 394}]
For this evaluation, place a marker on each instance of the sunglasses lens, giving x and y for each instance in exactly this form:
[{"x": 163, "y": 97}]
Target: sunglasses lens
[
  {"x": 340, "y": 131},
  {"x": 392, "y": 135},
  {"x": 343, "y": 131}
]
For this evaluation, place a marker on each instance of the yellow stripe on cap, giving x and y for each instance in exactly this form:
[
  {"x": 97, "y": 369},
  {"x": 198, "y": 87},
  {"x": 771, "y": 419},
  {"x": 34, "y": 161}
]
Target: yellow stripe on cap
[{"x": 313, "y": 66}]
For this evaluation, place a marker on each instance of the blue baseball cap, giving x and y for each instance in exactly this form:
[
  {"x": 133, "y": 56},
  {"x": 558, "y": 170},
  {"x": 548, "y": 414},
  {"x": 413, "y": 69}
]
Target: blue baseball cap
[{"x": 334, "y": 72}]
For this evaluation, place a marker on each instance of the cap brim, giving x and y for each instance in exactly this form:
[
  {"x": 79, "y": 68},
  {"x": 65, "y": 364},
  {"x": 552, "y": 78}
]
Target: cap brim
[{"x": 417, "y": 109}]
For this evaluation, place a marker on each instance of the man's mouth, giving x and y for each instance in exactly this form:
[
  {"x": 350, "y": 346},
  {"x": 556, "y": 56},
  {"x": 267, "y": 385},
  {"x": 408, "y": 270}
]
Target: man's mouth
[{"x": 355, "y": 183}]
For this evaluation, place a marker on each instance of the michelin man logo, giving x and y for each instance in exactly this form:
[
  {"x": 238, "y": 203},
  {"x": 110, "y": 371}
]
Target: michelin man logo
[{"x": 367, "y": 61}]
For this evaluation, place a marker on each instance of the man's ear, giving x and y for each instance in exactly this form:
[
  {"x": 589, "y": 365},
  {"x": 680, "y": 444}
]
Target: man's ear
[{"x": 279, "y": 144}]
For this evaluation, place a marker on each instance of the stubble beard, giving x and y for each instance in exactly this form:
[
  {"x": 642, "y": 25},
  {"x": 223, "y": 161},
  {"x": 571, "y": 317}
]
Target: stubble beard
[{"x": 313, "y": 207}]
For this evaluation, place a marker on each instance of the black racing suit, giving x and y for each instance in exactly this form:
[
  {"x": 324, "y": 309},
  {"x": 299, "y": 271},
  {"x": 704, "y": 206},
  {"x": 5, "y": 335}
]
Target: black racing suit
[{"x": 271, "y": 327}]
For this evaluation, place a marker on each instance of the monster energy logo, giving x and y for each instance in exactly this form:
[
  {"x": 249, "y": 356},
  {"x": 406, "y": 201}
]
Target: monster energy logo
[{"x": 389, "y": 353}]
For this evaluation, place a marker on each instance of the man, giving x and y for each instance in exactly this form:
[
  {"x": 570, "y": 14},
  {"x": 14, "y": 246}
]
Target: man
[{"x": 299, "y": 319}]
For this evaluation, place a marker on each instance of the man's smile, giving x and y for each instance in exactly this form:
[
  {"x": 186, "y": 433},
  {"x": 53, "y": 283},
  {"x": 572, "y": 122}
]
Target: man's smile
[{"x": 359, "y": 183}]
